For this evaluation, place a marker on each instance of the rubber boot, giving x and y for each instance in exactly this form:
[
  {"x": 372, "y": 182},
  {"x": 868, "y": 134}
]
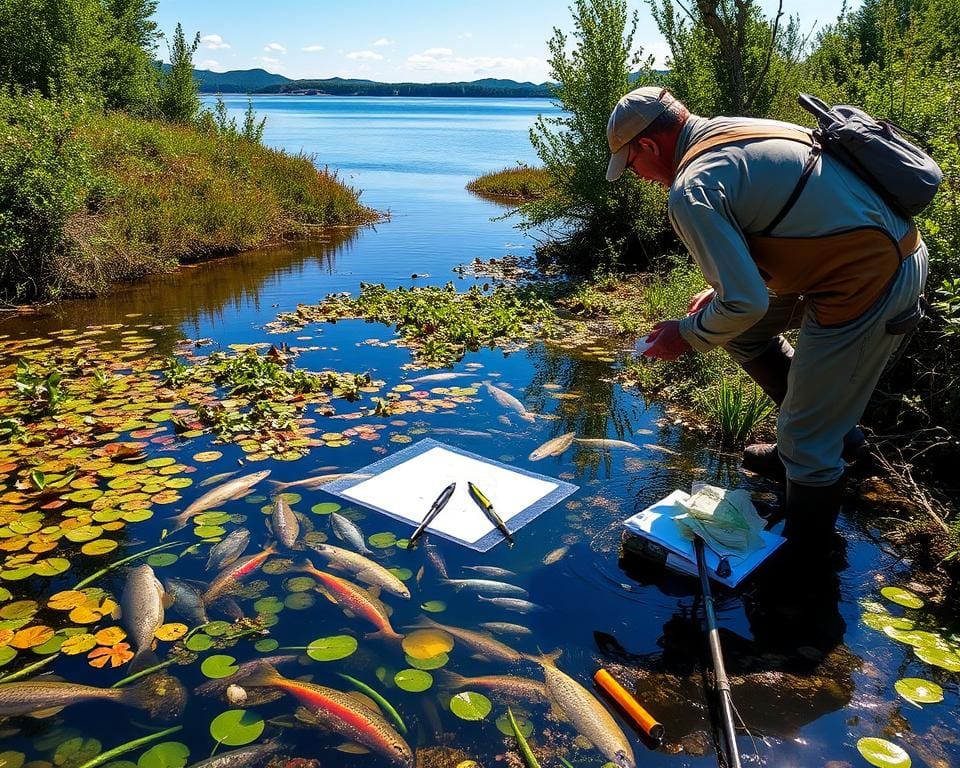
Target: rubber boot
[{"x": 811, "y": 512}]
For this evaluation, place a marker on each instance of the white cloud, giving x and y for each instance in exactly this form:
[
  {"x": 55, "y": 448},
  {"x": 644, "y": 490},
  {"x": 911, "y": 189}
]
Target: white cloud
[
  {"x": 213, "y": 42},
  {"x": 364, "y": 56},
  {"x": 274, "y": 64},
  {"x": 466, "y": 35},
  {"x": 312, "y": 48},
  {"x": 214, "y": 66},
  {"x": 438, "y": 52},
  {"x": 659, "y": 50},
  {"x": 440, "y": 64},
  {"x": 275, "y": 47},
  {"x": 383, "y": 41}
]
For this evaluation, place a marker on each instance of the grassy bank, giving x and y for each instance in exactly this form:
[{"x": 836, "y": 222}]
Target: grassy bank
[
  {"x": 520, "y": 183},
  {"x": 88, "y": 199}
]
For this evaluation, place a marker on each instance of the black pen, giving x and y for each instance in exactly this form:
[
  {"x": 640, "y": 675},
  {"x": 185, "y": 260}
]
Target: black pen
[
  {"x": 487, "y": 506},
  {"x": 435, "y": 508}
]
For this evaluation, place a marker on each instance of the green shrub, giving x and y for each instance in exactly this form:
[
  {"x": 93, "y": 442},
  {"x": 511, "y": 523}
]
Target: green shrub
[
  {"x": 737, "y": 407},
  {"x": 520, "y": 183}
]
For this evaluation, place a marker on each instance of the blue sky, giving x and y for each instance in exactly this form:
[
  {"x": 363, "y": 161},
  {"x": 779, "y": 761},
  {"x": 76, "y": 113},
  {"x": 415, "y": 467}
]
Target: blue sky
[{"x": 422, "y": 41}]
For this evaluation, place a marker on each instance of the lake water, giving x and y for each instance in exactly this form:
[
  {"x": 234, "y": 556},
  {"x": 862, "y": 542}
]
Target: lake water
[{"x": 811, "y": 678}]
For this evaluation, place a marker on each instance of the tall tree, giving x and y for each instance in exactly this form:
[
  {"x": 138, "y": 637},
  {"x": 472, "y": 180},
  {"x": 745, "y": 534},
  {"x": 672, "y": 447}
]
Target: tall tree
[
  {"x": 130, "y": 77},
  {"x": 179, "y": 93}
]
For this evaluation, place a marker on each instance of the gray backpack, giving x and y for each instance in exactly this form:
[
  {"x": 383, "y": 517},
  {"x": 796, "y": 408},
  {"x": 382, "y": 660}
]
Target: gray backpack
[{"x": 903, "y": 174}]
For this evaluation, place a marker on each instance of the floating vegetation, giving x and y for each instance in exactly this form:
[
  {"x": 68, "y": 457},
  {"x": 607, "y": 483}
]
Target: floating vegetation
[
  {"x": 413, "y": 680},
  {"x": 439, "y": 325},
  {"x": 919, "y": 691},
  {"x": 470, "y": 705},
  {"x": 332, "y": 648},
  {"x": 883, "y": 753},
  {"x": 901, "y": 596},
  {"x": 236, "y": 727}
]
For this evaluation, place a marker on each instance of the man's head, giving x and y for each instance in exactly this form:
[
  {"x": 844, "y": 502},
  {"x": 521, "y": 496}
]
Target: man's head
[{"x": 642, "y": 133}]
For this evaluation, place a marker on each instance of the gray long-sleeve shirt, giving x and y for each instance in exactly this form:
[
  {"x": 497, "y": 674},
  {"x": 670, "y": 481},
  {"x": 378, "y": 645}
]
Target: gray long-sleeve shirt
[{"x": 738, "y": 189}]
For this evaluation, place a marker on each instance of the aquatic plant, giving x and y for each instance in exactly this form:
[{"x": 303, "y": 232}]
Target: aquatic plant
[
  {"x": 736, "y": 408},
  {"x": 518, "y": 183}
]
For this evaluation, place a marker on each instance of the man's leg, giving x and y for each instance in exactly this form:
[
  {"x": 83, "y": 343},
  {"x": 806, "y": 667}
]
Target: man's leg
[{"x": 831, "y": 379}]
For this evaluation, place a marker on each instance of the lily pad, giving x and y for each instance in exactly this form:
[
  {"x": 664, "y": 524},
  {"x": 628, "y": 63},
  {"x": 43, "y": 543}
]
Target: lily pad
[
  {"x": 7, "y": 654},
  {"x": 470, "y": 705},
  {"x": 332, "y": 648},
  {"x": 401, "y": 573},
  {"x": 880, "y": 621},
  {"x": 434, "y": 606},
  {"x": 325, "y": 508},
  {"x": 167, "y": 754},
  {"x": 75, "y": 751},
  {"x": 413, "y": 680},
  {"x": 525, "y": 726},
  {"x": 209, "y": 531},
  {"x": 939, "y": 658},
  {"x": 236, "y": 727},
  {"x": 901, "y": 596},
  {"x": 383, "y": 540},
  {"x": 299, "y": 601},
  {"x": 883, "y": 753},
  {"x": 300, "y": 584},
  {"x": 199, "y": 642},
  {"x": 219, "y": 665},
  {"x": 918, "y": 638},
  {"x": 427, "y": 643},
  {"x": 434, "y": 662},
  {"x": 266, "y": 645},
  {"x": 268, "y": 604},
  {"x": 919, "y": 691},
  {"x": 162, "y": 559}
]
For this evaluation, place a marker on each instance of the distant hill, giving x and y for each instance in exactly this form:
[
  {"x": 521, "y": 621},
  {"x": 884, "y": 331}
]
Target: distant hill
[
  {"x": 237, "y": 81},
  {"x": 337, "y": 86}
]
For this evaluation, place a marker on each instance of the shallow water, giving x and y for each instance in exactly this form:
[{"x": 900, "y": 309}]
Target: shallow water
[{"x": 413, "y": 158}]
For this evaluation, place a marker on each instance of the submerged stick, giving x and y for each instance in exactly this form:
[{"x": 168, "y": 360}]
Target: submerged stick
[
  {"x": 103, "y": 571},
  {"x": 110, "y": 754},
  {"x": 377, "y": 697},
  {"x": 528, "y": 757},
  {"x": 142, "y": 673}
]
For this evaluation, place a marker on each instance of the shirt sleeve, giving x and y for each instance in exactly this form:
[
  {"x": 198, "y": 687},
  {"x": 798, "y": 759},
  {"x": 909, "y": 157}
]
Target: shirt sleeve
[{"x": 702, "y": 218}]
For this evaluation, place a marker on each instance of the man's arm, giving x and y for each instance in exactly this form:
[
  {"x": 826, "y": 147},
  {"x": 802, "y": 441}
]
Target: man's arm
[{"x": 702, "y": 219}]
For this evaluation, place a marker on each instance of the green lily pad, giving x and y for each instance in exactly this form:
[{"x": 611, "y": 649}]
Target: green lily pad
[
  {"x": 525, "y": 726},
  {"x": 7, "y": 654},
  {"x": 162, "y": 559},
  {"x": 75, "y": 751},
  {"x": 268, "y": 604},
  {"x": 167, "y": 754},
  {"x": 236, "y": 727},
  {"x": 434, "y": 606},
  {"x": 401, "y": 573},
  {"x": 332, "y": 648},
  {"x": 217, "y": 628},
  {"x": 901, "y": 596},
  {"x": 434, "y": 662},
  {"x": 937, "y": 656},
  {"x": 918, "y": 638},
  {"x": 209, "y": 531},
  {"x": 299, "y": 601},
  {"x": 413, "y": 680},
  {"x": 880, "y": 621},
  {"x": 5, "y": 594},
  {"x": 300, "y": 584},
  {"x": 382, "y": 540},
  {"x": 919, "y": 691},
  {"x": 325, "y": 508},
  {"x": 266, "y": 645},
  {"x": 883, "y": 753},
  {"x": 12, "y": 759},
  {"x": 199, "y": 642},
  {"x": 211, "y": 518},
  {"x": 219, "y": 665},
  {"x": 470, "y": 705}
]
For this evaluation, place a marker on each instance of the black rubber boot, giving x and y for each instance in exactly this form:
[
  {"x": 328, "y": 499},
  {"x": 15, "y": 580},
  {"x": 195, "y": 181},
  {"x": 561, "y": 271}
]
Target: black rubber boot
[{"x": 811, "y": 512}]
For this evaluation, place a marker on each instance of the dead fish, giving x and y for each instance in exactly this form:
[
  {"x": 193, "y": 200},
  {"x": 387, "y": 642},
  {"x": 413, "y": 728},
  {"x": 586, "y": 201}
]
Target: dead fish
[
  {"x": 604, "y": 444},
  {"x": 586, "y": 714},
  {"x": 340, "y": 713},
  {"x": 217, "y": 478},
  {"x": 553, "y": 447},
  {"x": 240, "y": 758},
  {"x": 229, "y": 491},
  {"x": 284, "y": 523},
  {"x": 505, "y": 420},
  {"x": 510, "y": 686},
  {"x": 362, "y": 568},
  {"x": 236, "y": 571},
  {"x": 440, "y": 377},
  {"x": 661, "y": 449},
  {"x": 436, "y": 559},
  {"x": 554, "y": 555},
  {"x": 348, "y": 531},
  {"x": 218, "y": 685},
  {"x": 161, "y": 695},
  {"x": 490, "y": 570},
  {"x": 507, "y": 400},
  {"x": 486, "y": 585},
  {"x": 478, "y": 642},
  {"x": 228, "y": 549},
  {"x": 459, "y": 432},
  {"x": 141, "y": 609},
  {"x": 506, "y": 628},
  {"x": 187, "y": 600},
  {"x": 513, "y": 604},
  {"x": 316, "y": 481}
]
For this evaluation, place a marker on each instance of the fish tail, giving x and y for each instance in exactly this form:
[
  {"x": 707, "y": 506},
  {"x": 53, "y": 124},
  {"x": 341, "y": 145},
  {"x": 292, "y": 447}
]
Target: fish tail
[
  {"x": 451, "y": 680},
  {"x": 384, "y": 634},
  {"x": 278, "y": 485},
  {"x": 143, "y": 658},
  {"x": 160, "y": 695},
  {"x": 179, "y": 522},
  {"x": 545, "y": 659},
  {"x": 264, "y": 675}
]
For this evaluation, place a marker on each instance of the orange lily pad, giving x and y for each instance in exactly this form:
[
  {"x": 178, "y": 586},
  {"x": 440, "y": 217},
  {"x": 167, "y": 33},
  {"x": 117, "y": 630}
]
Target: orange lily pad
[
  {"x": 31, "y": 636},
  {"x": 116, "y": 655},
  {"x": 110, "y": 636},
  {"x": 170, "y": 632},
  {"x": 66, "y": 600}
]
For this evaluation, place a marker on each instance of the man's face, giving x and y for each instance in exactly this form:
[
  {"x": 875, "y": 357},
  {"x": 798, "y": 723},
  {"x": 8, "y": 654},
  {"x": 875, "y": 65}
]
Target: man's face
[{"x": 647, "y": 162}]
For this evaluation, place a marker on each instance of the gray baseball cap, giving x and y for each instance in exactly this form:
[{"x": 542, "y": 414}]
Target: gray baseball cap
[{"x": 632, "y": 115}]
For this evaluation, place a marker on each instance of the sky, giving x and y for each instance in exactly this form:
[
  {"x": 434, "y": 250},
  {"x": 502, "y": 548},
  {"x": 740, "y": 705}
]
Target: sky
[{"x": 401, "y": 40}]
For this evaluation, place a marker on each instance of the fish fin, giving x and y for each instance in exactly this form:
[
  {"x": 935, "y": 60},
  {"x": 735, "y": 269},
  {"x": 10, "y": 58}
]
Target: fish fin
[
  {"x": 269, "y": 526},
  {"x": 167, "y": 600},
  {"x": 143, "y": 658},
  {"x": 304, "y": 715},
  {"x": 40, "y": 714},
  {"x": 383, "y": 635},
  {"x": 480, "y": 657},
  {"x": 348, "y": 613},
  {"x": 264, "y": 675},
  {"x": 160, "y": 695},
  {"x": 365, "y": 701},
  {"x": 374, "y": 590},
  {"x": 422, "y": 570},
  {"x": 326, "y": 594},
  {"x": 352, "y": 748},
  {"x": 451, "y": 680},
  {"x": 545, "y": 659},
  {"x": 117, "y": 613},
  {"x": 179, "y": 522}
]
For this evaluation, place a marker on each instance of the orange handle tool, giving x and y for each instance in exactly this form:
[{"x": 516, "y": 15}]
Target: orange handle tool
[{"x": 630, "y": 705}]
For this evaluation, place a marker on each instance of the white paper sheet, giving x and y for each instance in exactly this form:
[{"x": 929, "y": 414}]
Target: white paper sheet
[{"x": 407, "y": 491}]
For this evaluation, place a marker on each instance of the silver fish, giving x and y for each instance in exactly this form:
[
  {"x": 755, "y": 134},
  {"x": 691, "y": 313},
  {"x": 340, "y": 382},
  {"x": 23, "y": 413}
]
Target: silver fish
[
  {"x": 228, "y": 549},
  {"x": 507, "y": 400},
  {"x": 362, "y": 568},
  {"x": 513, "y": 604},
  {"x": 141, "y": 607},
  {"x": 554, "y": 555},
  {"x": 433, "y": 554},
  {"x": 660, "y": 448},
  {"x": 459, "y": 432},
  {"x": 440, "y": 377},
  {"x": 285, "y": 524},
  {"x": 604, "y": 444},
  {"x": 553, "y": 447},
  {"x": 217, "y": 478},
  {"x": 233, "y": 489},
  {"x": 486, "y": 585},
  {"x": 479, "y": 642},
  {"x": 491, "y": 570},
  {"x": 506, "y": 628},
  {"x": 316, "y": 482},
  {"x": 240, "y": 758},
  {"x": 187, "y": 600},
  {"x": 348, "y": 531}
]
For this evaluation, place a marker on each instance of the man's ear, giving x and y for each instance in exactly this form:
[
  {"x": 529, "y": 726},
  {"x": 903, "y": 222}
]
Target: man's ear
[{"x": 648, "y": 146}]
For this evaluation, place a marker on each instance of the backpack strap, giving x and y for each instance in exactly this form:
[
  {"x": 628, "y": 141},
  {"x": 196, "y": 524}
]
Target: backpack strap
[{"x": 751, "y": 133}]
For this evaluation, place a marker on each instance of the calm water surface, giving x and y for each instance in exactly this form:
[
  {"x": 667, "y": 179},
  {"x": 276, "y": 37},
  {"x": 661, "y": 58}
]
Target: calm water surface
[{"x": 812, "y": 679}]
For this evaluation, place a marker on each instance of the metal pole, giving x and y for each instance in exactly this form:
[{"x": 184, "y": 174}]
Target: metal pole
[{"x": 716, "y": 652}]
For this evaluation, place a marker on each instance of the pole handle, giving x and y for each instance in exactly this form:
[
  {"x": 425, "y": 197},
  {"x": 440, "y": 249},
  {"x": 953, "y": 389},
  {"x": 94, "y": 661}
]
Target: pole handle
[{"x": 647, "y": 722}]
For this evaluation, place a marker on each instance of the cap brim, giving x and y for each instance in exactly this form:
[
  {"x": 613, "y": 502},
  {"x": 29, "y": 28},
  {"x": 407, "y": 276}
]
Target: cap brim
[{"x": 618, "y": 163}]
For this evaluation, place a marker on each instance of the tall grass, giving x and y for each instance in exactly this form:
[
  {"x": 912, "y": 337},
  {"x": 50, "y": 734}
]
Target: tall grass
[
  {"x": 737, "y": 408},
  {"x": 520, "y": 183}
]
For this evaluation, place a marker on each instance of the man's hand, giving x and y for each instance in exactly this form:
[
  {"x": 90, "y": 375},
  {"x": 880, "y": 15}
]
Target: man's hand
[
  {"x": 700, "y": 300},
  {"x": 667, "y": 342}
]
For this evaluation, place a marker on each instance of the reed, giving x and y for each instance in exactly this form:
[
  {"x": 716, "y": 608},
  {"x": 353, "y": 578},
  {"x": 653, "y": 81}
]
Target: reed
[
  {"x": 521, "y": 183},
  {"x": 737, "y": 409}
]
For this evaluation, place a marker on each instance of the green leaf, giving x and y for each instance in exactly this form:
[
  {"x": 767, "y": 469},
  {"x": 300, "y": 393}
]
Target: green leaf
[
  {"x": 434, "y": 662},
  {"x": 503, "y": 725},
  {"x": 266, "y": 645},
  {"x": 882, "y": 753},
  {"x": 299, "y": 601},
  {"x": 217, "y": 628},
  {"x": 470, "y": 705},
  {"x": 219, "y": 665},
  {"x": 75, "y": 751},
  {"x": 38, "y": 479},
  {"x": 199, "y": 642},
  {"x": 325, "y": 508},
  {"x": 401, "y": 573},
  {"x": 236, "y": 727},
  {"x": 918, "y": 638},
  {"x": 12, "y": 759},
  {"x": 382, "y": 540},
  {"x": 880, "y": 621},
  {"x": 167, "y": 754},
  {"x": 162, "y": 559},
  {"x": 937, "y": 656},
  {"x": 901, "y": 596},
  {"x": 919, "y": 691},
  {"x": 268, "y": 604},
  {"x": 434, "y": 606},
  {"x": 332, "y": 648},
  {"x": 413, "y": 680}
]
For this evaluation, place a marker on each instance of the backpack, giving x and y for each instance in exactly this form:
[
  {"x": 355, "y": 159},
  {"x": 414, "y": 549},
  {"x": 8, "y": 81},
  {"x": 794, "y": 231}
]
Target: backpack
[{"x": 903, "y": 174}]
